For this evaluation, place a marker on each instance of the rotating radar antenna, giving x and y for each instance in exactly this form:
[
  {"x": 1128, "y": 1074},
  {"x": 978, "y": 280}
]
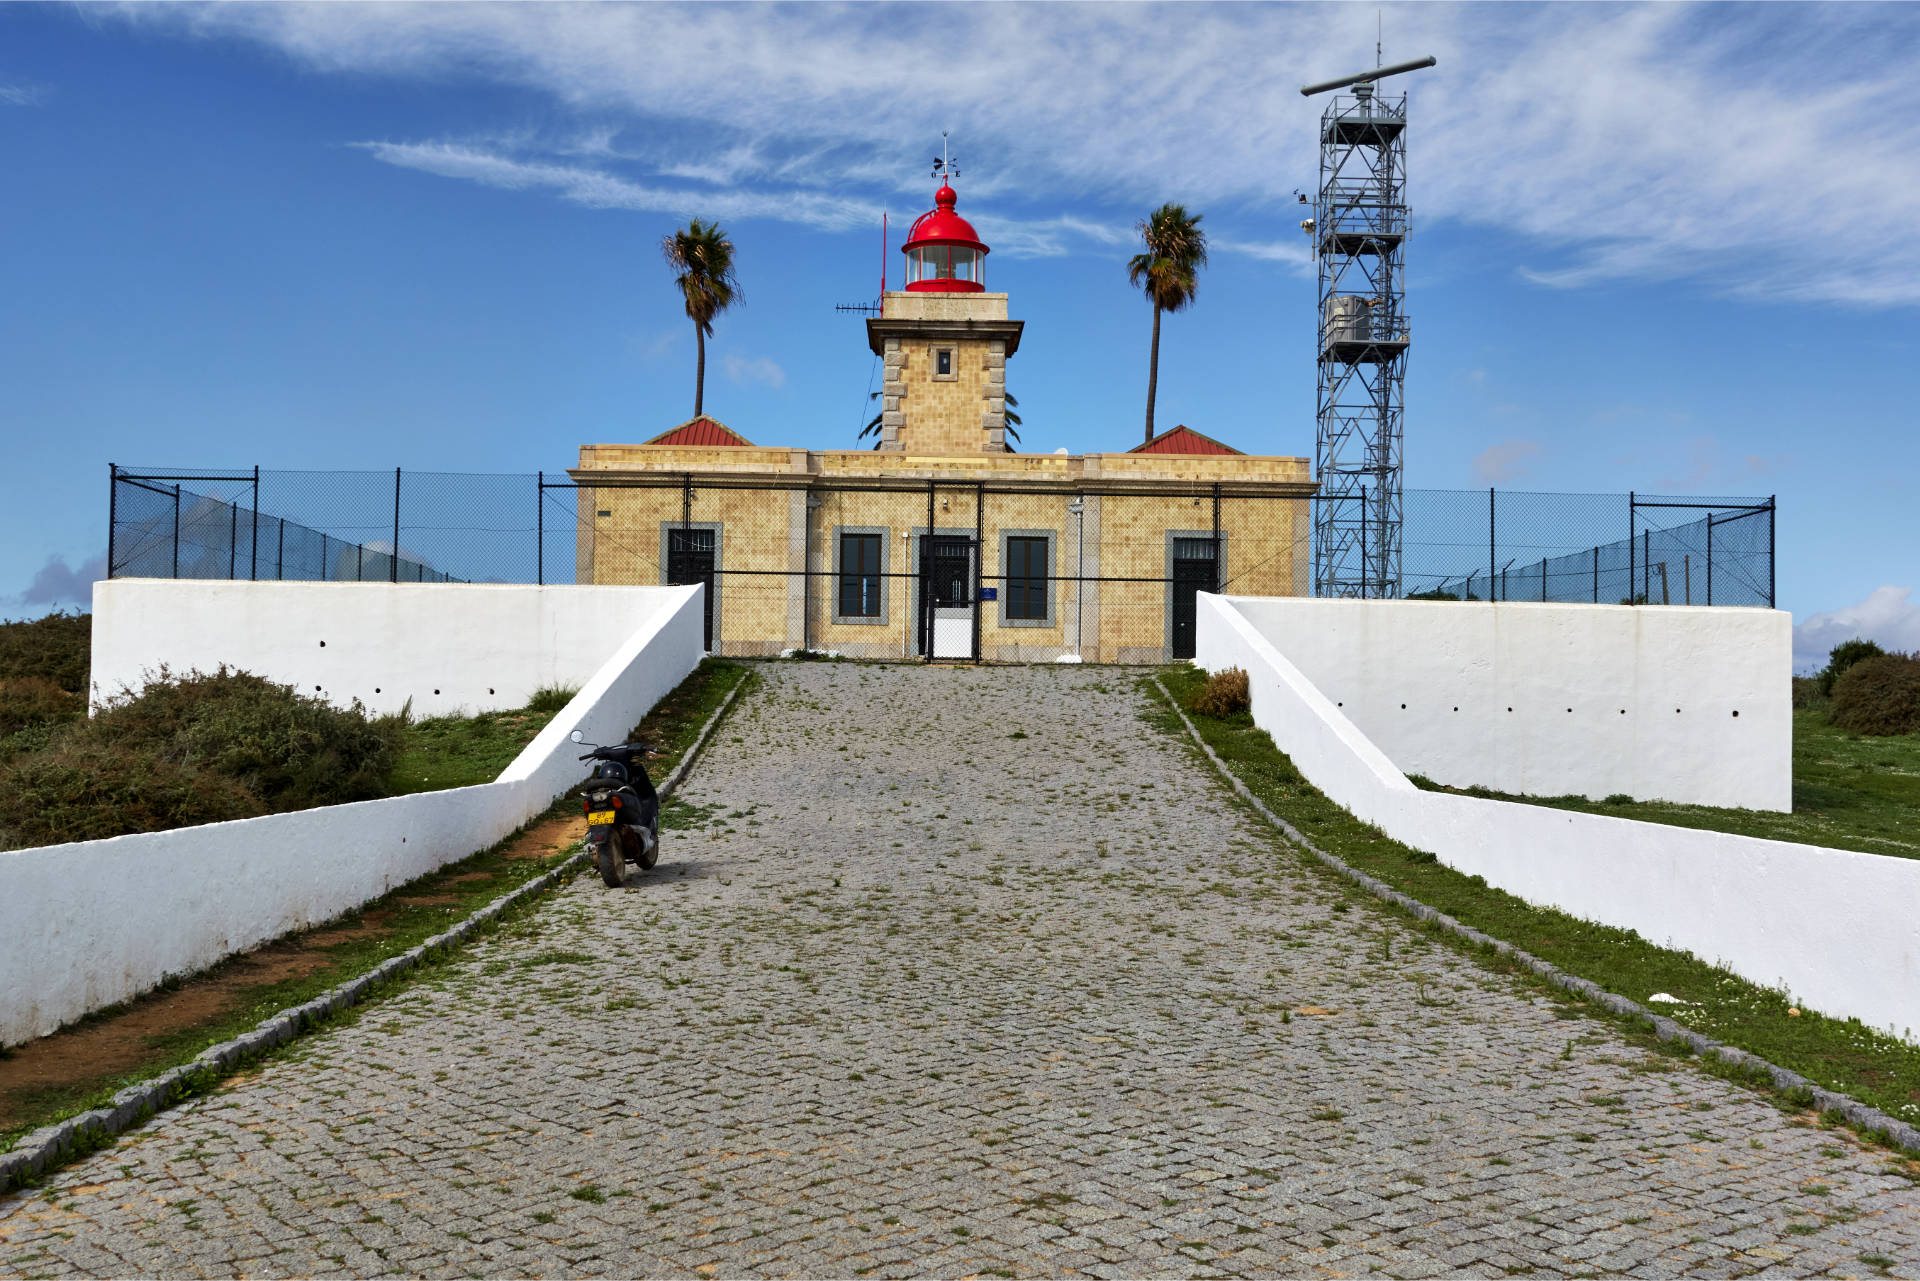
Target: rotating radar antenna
[{"x": 1359, "y": 233}]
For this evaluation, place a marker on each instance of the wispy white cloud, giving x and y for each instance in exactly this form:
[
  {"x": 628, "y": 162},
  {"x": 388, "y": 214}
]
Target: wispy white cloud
[
  {"x": 12, "y": 95},
  {"x": 1505, "y": 462},
  {"x": 1888, "y": 616},
  {"x": 1765, "y": 151},
  {"x": 759, "y": 369}
]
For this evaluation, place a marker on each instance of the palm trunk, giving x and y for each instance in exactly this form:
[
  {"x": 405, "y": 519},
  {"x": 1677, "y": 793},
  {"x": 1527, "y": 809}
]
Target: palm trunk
[
  {"x": 1153, "y": 370},
  {"x": 700, "y": 371}
]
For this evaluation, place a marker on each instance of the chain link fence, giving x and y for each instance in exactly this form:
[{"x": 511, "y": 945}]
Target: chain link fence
[{"x": 903, "y": 568}]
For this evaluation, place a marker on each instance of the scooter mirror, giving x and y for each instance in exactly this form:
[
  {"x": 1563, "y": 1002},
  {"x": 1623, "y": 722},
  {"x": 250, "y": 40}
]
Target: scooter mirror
[{"x": 577, "y": 737}]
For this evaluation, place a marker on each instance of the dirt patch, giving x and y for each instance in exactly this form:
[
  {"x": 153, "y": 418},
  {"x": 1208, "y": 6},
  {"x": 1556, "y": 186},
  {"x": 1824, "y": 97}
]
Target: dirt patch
[{"x": 102, "y": 1050}]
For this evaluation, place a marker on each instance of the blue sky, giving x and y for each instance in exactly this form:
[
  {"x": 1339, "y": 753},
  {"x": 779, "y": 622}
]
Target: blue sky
[{"x": 1666, "y": 249}]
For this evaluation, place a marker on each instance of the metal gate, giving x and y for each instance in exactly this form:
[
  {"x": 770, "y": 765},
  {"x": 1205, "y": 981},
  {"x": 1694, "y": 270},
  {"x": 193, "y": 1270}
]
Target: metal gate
[
  {"x": 946, "y": 597},
  {"x": 690, "y": 560},
  {"x": 1195, "y": 570}
]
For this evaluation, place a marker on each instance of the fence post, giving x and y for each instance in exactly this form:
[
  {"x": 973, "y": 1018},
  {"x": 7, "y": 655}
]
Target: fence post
[
  {"x": 233, "y": 539},
  {"x": 1709, "y": 558},
  {"x": 280, "y": 553},
  {"x": 980, "y": 556},
  {"x": 1543, "y": 580},
  {"x": 1646, "y": 566},
  {"x": 113, "y": 501},
  {"x": 1363, "y": 542},
  {"x": 540, "y": 529},
  {"x": 1773, "y": 514},
  {"x": 1596, "y": 575},
  {"x": 176, "y": 531},
  {"x": 1217, "y": 583},
  {"x": 1633, "y": 527},
  {"x": 393, "y": 561},
  {"x": 253, "y": 569},
  {"x": 1493, "y": 553}
]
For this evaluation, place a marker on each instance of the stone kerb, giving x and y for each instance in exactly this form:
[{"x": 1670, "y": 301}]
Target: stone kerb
[
  {"x": 1832, "y": 927},
  {"x": 91, "y": 923}
]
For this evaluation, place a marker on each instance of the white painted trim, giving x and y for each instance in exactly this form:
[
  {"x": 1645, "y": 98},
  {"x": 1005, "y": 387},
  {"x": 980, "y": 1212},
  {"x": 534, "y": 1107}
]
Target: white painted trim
[
  {"x": 87, "y": 924},
  {"x": 1835, "y": 928}
]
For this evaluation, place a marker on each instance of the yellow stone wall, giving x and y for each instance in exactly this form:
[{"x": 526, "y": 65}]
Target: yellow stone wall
[
  {"x": 943, "y": 414},
  {"x": 1126, "y": 537}
]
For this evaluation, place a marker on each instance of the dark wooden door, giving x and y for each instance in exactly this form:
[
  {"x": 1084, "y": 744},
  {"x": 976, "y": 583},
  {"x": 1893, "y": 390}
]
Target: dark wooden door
[
  {"x": 1195, "y": 566},
  {"x": 690, "y": 560}
]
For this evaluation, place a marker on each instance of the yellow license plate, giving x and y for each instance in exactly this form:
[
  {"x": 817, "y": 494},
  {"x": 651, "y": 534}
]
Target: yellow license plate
[{"x": 600, "y": 816}]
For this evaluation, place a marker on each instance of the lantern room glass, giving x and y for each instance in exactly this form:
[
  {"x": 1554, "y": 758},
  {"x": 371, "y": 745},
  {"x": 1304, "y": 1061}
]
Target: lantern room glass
[{"x": 946, "y": 262}]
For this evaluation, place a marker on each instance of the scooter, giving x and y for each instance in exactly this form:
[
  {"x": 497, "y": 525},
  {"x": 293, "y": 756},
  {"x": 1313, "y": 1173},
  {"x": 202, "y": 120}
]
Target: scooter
[{"x": 623, "y": 810}]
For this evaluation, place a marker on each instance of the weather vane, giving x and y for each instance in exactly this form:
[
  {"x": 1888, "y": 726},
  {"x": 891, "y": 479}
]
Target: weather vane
[{"x": 944, "y": 165}]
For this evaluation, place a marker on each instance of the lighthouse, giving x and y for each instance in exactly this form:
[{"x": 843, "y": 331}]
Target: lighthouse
[{"x": 945, "y": 341}]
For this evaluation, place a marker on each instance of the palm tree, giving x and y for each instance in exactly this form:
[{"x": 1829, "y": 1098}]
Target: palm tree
[
  {"x": 873, "y": 424},
  {"x": 702, "y": 257},
  {"x": 1168, "y": 271}
]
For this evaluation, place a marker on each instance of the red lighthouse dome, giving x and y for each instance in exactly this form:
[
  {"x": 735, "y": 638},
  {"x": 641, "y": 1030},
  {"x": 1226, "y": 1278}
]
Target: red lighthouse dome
[{"x": 944, "y": 253}]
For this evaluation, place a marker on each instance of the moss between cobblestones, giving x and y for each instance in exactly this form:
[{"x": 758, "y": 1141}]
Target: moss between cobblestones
[
  {"x": 1841, "y": 1055},
  {"x": 376, "y": 933}
]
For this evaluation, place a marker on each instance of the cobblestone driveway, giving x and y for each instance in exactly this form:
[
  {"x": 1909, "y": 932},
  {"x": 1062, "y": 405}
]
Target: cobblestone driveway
[{"x": 967, "y": 972}]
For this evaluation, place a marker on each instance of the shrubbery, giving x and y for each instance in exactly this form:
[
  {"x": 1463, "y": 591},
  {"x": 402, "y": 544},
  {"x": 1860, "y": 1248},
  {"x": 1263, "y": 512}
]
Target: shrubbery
[
  {"x": 192, "y": 749},
  {"x": 1843, "y": 656},
  {"x": 1225, "y": 693},
  {"x": 1879, "y": 694},
  {"x": 57, "y": 648}
]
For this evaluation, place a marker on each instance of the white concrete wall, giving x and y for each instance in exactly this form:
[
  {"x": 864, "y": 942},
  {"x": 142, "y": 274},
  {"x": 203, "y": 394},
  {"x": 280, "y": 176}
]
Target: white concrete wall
[
  {"x": 87, "y": 924},
  {"x": 1675, "y": 704},
  {"x": 447, "y": 647},
  {"x": 1836, "y": 929}
]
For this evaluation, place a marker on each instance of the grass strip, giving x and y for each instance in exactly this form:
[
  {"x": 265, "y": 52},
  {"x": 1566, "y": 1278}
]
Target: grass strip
[
  {"x": 1842, "y": 1055},
  {"x": 1849, "y": 793},
  {"x": 233, "y": 1002}
]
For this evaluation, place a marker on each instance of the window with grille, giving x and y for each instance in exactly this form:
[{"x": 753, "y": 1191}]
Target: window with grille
[
  {"x": 1193, "y": 549},
  {"x": 1026, "y": 578},
  {"x": 860, "y": 575}
]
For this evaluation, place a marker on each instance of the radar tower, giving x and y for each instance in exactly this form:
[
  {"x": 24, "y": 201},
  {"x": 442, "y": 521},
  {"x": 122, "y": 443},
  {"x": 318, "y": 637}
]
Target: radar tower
[{"x": 1359, "y": 233}]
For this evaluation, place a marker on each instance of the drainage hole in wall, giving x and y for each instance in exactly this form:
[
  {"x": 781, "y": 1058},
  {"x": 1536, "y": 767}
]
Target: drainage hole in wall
[
  {"x": 323, "y": 644},
  {"x": 1456, "y": 709},
  {"x": 436, "y": 691},
  {"x": 1509, "y": 709},
  {"x": 1623, "y": 711},
  {"x": 316, "y": 689},
  {"x": 489, "y": 689},
  {"x": 1736, "y": 713},
  {"x": 376, "y": 689},
  {"x": 1569, "y": 711},
  {"x": 1339, "y": 704},
  {"x": 1403, "y": 707}
]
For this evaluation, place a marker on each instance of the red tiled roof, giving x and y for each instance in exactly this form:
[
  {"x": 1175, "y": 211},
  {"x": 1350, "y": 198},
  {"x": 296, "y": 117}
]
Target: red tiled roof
[
  {"x": 1182, "y": 440},
  {"x": 700, "y": 431}
]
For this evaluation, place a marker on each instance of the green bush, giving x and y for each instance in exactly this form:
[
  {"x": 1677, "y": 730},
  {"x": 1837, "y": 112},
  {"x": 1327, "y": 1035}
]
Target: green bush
[
  {"x": 35, "y": 700},
  {"x": 1806, "y": 693},
  {"x": 193, "y": 749},
  {"x": 1879, "y": 695},
  {"x": 1843, "y": 656},
  {"x": 57, "y": 648},
  {"x": 551, "y": 698},
  {"x": 81, "y": 788}
]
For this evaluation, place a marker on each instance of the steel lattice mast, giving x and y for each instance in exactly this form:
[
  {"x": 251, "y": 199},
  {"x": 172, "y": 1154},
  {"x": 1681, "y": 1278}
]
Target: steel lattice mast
[{"x": 1359, "y": 231}]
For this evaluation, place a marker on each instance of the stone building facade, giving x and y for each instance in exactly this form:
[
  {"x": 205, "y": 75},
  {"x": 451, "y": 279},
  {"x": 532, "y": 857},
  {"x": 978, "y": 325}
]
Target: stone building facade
[{"x": 943, "y": 542}]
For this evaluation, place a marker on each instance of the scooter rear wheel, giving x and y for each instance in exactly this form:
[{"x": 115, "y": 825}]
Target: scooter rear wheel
[
  {"x": 652, "y": 854},
  {"x": 613, "y": 868}
]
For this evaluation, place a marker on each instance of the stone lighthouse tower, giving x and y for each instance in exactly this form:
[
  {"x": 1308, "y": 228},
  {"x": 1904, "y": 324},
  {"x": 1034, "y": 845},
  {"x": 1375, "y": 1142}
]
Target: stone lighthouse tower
[{"x": 945, "y": 341}]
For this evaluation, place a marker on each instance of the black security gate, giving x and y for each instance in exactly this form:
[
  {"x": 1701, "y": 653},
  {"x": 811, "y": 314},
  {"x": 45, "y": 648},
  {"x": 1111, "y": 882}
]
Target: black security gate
[
  {"x": 946, "y": 597},
  {"x": 690, "y": 560},
  {"x": 1195, "y": 570}
]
